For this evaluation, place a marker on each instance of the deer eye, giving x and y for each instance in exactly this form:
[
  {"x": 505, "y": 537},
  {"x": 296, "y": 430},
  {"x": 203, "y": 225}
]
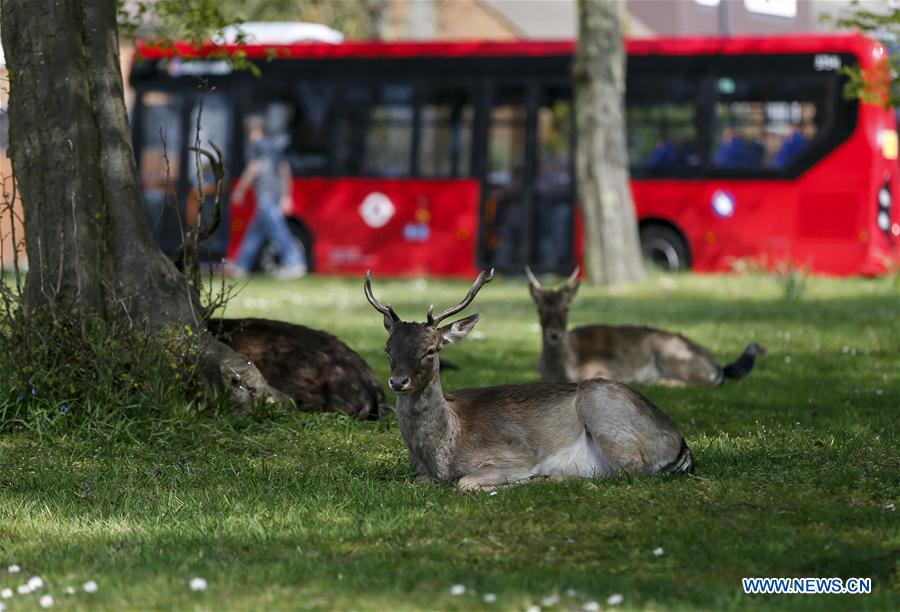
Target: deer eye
[{"x": 430, "y": 353}]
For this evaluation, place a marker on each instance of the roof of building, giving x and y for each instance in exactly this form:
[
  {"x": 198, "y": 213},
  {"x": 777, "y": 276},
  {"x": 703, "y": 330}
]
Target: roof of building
[{"x": 544, "y": 19}]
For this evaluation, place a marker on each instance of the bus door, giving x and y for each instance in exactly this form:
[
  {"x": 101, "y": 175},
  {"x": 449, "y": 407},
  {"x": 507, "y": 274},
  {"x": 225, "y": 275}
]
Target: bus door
[
  {"x": 528, "y": 192},
  {"x": 166, "y": 125}
]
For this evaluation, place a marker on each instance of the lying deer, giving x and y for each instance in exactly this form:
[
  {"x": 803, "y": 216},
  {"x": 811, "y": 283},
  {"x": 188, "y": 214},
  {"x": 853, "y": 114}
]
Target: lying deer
[
  {"x": 486, "y": 437},
  {"x": 314, "y": 368},
  {"x": 626, "y": 353}
]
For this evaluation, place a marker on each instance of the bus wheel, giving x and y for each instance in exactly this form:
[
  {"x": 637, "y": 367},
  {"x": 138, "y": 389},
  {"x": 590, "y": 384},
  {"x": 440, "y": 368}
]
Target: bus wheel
[
  {"x": 269, "y": 260},
  {"x": 665, "y": 247}
]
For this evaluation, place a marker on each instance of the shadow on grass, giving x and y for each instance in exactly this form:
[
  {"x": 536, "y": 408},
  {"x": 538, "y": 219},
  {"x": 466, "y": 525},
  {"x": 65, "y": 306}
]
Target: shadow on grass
[{"x": 472, "y": 542}]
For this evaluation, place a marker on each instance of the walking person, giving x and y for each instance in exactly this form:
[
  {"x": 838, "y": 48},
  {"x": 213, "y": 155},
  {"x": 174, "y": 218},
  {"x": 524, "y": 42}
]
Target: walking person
[{"x": 268, "y": 171}]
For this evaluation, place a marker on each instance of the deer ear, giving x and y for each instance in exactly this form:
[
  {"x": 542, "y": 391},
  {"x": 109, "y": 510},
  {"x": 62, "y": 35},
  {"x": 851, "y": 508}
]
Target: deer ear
[
  {"x": 535, "y": 292},
  {"x": 388, "y": 323},
  {"x": 458, "y": 330},
  {"x": 572, "y": 290}
]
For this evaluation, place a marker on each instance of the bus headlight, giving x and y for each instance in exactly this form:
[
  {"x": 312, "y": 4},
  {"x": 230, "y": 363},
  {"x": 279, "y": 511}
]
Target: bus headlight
[
  {"x": 884, "y": 197},
  {"x": 883, "y": 218}
]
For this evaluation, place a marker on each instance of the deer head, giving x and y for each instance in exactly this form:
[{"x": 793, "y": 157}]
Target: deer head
[
  {"x": 412, "y": 348},
  {"x": 553, "y": 305}
]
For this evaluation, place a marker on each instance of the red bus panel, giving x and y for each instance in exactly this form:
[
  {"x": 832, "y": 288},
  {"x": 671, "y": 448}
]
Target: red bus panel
[
  {"x": 394, "y": 227},
  {"x": 824, "y": 221}
]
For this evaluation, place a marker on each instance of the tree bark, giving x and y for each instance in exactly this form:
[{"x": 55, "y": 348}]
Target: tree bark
[
  {"x": 89, "y": 245},
  {"x": 612, "y": 248}
]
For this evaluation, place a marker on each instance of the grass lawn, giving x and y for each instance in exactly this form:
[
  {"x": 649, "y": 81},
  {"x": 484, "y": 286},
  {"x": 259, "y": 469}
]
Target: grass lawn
[{"x": 797, "y": 473}]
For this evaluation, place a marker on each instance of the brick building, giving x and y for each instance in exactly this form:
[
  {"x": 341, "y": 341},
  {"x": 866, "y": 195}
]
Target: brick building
[{"x": 555, "y": 19}]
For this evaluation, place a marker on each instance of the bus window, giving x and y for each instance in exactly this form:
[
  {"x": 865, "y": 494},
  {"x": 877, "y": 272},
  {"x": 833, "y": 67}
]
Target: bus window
[
  {"x": 553, "y": 184},
  {"x": 375, "y": 132},
  {"x": 161, "y": 138},
  {"x": 310, "y": 131},
  {"x": 354, "y": 115},
  {"x": 505, "y": 175},
  {"x": 766, "y": 124},
  {"x": 303, "y": 113},
  {"x": 160, "y": 164},
  {"x": 661, "y": 115},
  {"x": 214, "y": 125},
  {"x": 389, "y": 134},
  {"x": 445, "y": 133}
]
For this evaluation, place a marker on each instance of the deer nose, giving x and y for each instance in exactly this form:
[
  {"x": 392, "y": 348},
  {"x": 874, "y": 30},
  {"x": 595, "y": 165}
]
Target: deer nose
[
  {"x": 399, "y": 384},
  {"x": 555, "y": 336}
]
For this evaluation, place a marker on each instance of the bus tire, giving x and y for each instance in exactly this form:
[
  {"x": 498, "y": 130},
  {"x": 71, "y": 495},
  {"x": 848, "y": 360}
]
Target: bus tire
[
  {"x": 269, "y": 260},
  {"x": 666, "y": 247}
]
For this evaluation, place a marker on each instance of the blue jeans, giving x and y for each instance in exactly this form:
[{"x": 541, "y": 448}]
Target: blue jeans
[{"x": 268, "y": 224}]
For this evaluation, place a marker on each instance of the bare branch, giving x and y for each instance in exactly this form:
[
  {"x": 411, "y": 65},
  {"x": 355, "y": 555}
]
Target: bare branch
[{"x": 194, "y": 237}]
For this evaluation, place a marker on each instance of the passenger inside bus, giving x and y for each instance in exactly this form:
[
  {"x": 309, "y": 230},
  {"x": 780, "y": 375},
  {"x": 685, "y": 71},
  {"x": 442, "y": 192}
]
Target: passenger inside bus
[
  {"x": 663, "y": 156},
  {"x": 793, "y": 143},
  {"x": 738, "y": 151}
]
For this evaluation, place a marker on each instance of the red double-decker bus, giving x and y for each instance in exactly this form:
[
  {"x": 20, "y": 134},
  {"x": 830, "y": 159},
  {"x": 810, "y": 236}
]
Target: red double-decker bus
[{"x": 442, "y": 158}]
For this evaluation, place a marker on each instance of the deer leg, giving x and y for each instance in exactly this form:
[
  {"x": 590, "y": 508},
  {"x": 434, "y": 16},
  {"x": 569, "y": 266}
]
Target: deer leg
[
  {"x": 631, "y": 434},
  {"x": 490, "y": 477},
  {"x": 671, "y": 382}
]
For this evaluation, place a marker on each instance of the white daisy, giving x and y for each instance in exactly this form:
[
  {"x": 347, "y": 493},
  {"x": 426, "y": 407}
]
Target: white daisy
[
  {"x": 615, "y": 599},
  {"x": 198, "y": 584},
  {"x": 489, "y": 598},
  {"x": 90, "y": 586},
  {"x": 458, "y": 589},
  {"x": 13, "y": 569},
  {"x": 658, "y": 551},
  {"x": 23, "y": 589},
  {"x": 550, "y": 601},
  {"x": 591, "y": 606},
  {"x": 6, "y": 593},
  {"x": 35, "y": 583},
  {"x": 46, "y": 601}
]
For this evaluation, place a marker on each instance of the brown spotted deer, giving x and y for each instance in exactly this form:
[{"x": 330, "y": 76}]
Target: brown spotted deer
[
  {"x": 626, "y": 353},
  {"x": 317, "y": 370},
  {"x": 487, "y": 437}
]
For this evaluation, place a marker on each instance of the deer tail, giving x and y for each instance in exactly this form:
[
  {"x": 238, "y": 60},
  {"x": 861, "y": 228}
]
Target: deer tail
[{"x": 742, "y": 366}]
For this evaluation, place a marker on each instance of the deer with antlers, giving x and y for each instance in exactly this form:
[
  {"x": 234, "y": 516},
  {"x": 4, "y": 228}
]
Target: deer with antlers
[
  {"x": 626, "y": 353},
  {"x": 487, "y": 437}
]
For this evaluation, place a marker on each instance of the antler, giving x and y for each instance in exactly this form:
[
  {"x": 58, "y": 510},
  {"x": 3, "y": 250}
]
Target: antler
[
  {"x": 483, "y": 277},
  {"x": 532, "y": 278},
  {"x": 570, "y": 282},
  {"x": 385, "y": 310}
]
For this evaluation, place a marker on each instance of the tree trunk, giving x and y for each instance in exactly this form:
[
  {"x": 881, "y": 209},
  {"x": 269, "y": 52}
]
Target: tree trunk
[
  {"x": 612, "y": 247},
  {"x": 89, "y": 245}
]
